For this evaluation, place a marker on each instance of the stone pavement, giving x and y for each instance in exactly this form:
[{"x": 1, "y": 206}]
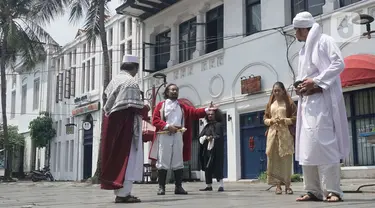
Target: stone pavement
[{"x": 238, "y": 194}]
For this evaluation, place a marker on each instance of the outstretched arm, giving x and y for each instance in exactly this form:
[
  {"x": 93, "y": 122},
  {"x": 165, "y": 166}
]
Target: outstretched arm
[{"x": 196, "y": 113}]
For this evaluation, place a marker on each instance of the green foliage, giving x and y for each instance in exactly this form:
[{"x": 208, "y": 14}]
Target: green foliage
[
  {"x": 41, "y": 129},
  {"x": 15, "y": 139},
  {"x": 294, "y": 178}
]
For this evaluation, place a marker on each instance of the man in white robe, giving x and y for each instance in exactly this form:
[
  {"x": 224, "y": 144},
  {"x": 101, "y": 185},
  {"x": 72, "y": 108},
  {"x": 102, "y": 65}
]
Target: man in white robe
[
  {"x": 122, "y": 149},
  {"x": 322, "y": 134}
]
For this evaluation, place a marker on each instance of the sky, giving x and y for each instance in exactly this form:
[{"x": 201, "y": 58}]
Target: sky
[{"x": 64, "y": 32}]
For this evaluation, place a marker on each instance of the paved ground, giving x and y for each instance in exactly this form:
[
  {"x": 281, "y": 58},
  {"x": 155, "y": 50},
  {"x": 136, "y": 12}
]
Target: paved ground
[{"x": 239, "y": 194}]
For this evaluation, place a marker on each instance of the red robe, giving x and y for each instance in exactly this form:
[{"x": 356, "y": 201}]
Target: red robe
[
  {"x": 190, "y": 114},
  {"x": 117, "y": 135}
]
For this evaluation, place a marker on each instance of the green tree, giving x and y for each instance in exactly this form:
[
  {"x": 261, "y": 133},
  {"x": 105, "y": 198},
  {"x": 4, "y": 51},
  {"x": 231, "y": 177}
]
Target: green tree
[
  {"x": 95, "y": 18},
  {"x": 14, "y": 140},
  {"x": 23, "y": 41},
  {"x": 42, "y": 132}
]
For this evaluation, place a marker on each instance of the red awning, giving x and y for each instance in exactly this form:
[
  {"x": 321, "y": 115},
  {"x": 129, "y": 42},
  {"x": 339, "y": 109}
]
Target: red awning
[
  {"x": 148, "y": 129},
  {"x": 359, "y": 69}
]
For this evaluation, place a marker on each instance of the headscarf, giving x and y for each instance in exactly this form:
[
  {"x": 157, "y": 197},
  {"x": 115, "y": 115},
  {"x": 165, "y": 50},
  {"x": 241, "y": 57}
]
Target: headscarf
[{"x": 303, "y": 20}]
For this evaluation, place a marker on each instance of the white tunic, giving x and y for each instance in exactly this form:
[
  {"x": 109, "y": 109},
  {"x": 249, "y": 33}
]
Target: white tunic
[
  {"x": 318, "y": 143},
  {"x": 322, "y": 134}
]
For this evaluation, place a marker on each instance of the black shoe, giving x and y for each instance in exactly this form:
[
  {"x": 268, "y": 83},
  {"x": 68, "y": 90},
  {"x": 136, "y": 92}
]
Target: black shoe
[
  {"x": 162, "y": 180},
  {"x": 206, "y": 189},
  {"x": 180, "y": 191},
  {"x": 220, "y": 189},
  {"x": 178, "y": 182}
]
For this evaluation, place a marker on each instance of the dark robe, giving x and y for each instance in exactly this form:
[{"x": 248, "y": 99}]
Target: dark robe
[
  {"x": 117, "y": 135},
  {"x": 213, "y": 160}
]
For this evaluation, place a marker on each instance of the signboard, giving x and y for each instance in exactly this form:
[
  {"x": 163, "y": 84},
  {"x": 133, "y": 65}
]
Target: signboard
[{"x": 86, "y": 109}]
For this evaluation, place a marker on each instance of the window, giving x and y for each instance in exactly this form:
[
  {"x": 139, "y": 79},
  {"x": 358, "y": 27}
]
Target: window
[
  {"x": 348, "y": 2},
  {"x": 111, "y": 63},
  {"x": 75, "y": 57},
  {"x": 71, "y": 155},
  {"x": 122, "y": 51},
  {"x": 58, "y": 156},
  {"x": 13, "y": 105},
  {"x": 88, "y": 77},
  {"x": 315, "y": 7},
  {"x": 57, "y": 89},
  {"x": 36, "y": 94},
  {"x": 60, "y": 127},
  {"x": 84, "y": 51},
  {"x": 162, "y": 50},
  {"x": 94, "y": 45},
  {"x": 83, "y": 78},
  {"x": 23, "y": 99},
  {"x": 66, "y": 156},
  {"x": 122, "y": 30},
  {"x": 70, "y": 59},
  {"x": 62, "y": 63},
  {"x": 73, "y": 82},
  {"x": 129, "y": 47},
  {"x": 89, "y": 48},
  {"x": 93, "y": 74},
  {"x": 67, "y": 84},
  {"x": 130, "y": 27},
  {"x": 253, "y": 17},
  {"x": 60, "y": 86},
  {"x": 187, "y": 37},
  {"x": 214, "y": 29},
  {"x": 110, "y": 37}
]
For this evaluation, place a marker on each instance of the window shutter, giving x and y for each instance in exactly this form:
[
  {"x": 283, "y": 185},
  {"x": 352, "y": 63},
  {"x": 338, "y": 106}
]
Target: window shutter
[
  {"x": 67, "y": 84},
  {"x": 61, "y": 82},
  {"x": 73, "y": 82}
]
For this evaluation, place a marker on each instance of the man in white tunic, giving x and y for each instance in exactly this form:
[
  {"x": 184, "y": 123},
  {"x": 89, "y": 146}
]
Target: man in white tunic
[
  {"x": 322, "y": 134},
  {"x": 122, "y": 149}
]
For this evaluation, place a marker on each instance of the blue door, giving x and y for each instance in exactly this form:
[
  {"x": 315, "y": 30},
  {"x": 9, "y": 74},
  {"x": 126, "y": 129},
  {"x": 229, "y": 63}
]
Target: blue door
[
  {"x": 253, "y": 145},
  {"x": 225, "y": 173}
]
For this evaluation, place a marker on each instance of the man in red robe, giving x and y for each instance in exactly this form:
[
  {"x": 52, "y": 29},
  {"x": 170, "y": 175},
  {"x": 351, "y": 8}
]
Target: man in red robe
[
  {"x": 171, "y": 145},
  {"x": 122, "y": 149}
]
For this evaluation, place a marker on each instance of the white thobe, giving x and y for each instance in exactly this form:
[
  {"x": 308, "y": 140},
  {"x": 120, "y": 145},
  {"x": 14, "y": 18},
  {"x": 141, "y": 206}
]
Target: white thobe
[
  {"x": 134, "y": 170},
  {"x": 170, "y": 147},
  {"x": 322, "y": 136}
]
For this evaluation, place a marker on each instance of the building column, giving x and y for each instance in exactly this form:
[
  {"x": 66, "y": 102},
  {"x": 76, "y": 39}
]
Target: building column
[
  {"x": 174, "y": 41},
  {"x": 199, "y": 50},
  {"x": 233, "y": 145}
]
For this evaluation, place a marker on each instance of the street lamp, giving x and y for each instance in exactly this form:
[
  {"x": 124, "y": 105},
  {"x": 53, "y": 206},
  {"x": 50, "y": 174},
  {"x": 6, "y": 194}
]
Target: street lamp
[
  {"x": 155, "y": 90},
  {"x": 364, "y": 19}
]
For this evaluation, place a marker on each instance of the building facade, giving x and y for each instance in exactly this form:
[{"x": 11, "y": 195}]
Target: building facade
[
  {"x": 77, "y": 100},
  {"x": 208, "y": 48},
  {"x": 28, "y": 94}
]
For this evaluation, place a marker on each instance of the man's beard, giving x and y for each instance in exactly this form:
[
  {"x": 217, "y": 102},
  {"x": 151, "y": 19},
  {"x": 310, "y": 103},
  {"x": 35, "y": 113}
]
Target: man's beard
[{"x": 173, "y": 97}]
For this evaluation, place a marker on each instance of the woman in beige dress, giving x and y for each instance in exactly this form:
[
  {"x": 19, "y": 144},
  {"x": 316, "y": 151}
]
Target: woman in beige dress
[{"x": 280, "y": 117}]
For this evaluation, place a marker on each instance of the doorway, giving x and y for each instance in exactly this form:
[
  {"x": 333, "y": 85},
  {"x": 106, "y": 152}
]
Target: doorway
[
  {"x": 253, "y": 145},
  {"x": 88, "y": 134}
]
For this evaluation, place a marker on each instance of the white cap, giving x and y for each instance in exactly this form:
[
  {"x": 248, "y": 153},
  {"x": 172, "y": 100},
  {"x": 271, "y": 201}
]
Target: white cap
[
  {"x": 303, "y": 20},
  {"x": 130, "y": 59}
]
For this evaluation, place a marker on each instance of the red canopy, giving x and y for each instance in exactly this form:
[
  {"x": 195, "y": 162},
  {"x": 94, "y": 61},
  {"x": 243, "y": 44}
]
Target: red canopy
[
  {"x": 359, "y": 69},
  {"x": 148, "y": 129}
]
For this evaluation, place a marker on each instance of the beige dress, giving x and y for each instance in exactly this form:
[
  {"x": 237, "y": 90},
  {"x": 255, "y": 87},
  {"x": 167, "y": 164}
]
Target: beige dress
[{"x": 280, "y": 146}]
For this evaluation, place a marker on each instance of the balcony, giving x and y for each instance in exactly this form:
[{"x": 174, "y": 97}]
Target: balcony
[{"x": 144, "y": 9}]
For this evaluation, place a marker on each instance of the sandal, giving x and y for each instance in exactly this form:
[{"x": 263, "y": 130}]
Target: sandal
[
  {"x": 331, "y": 195},
  {"x": 278, "y": 191},
  {"x": 308, "y": 197},
  {"x": 289, "y": 191},
  {"x": 127, "y": 199}
]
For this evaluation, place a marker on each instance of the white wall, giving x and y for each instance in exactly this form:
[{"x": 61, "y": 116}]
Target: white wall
[
  {"x": 216, "y": 76},
  {"x": 63, "y": 109}
]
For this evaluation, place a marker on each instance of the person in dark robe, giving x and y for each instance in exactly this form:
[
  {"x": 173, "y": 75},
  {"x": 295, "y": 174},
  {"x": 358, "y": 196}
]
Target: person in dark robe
[
  {"x": 122, "y": 148},
  {"x": 211, "y": 152}
]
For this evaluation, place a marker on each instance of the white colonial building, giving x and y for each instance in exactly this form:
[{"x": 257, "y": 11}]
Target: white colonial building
[
  {"x": 77, "y": 100},
  {"x": 208, "y": 47},
  {"x": 28, "y": 94}
]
